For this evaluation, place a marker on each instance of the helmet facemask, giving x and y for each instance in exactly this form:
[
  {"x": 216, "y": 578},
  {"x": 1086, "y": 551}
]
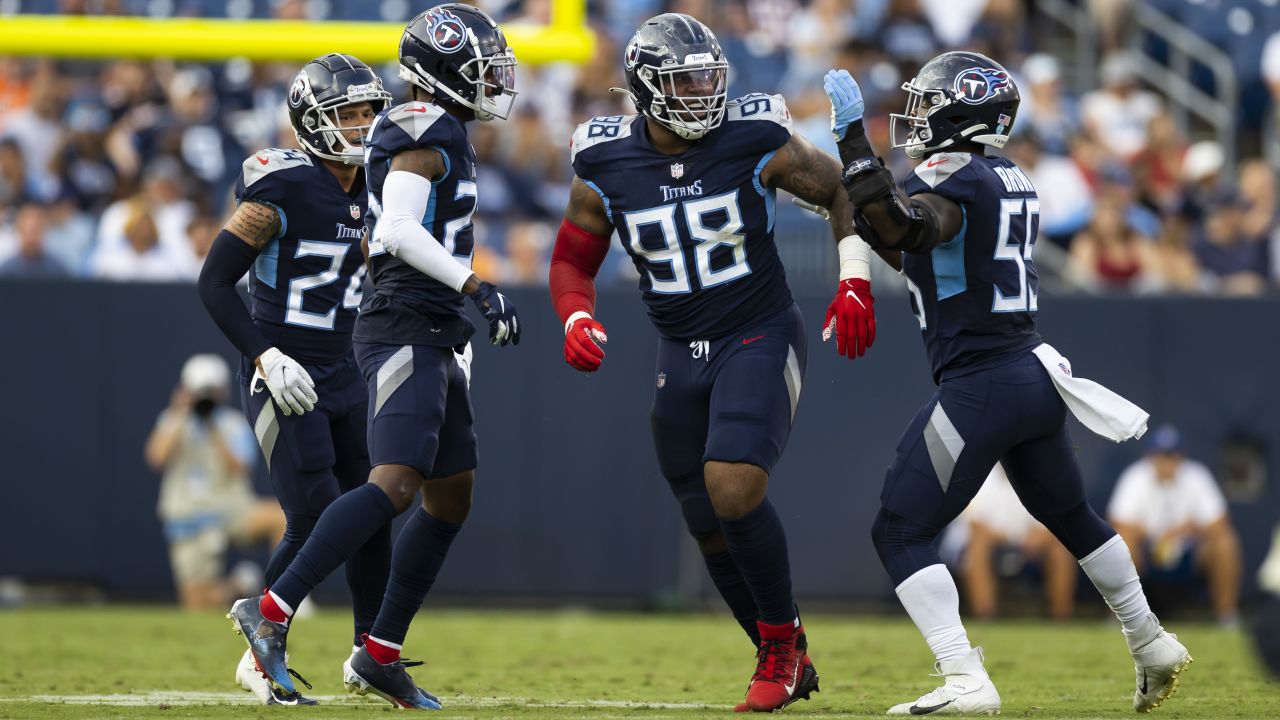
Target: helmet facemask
[
  {"x": 492, "y": 76},
  {"x": 911, "y": 129},
  {"x": 688, "y": 99},
  {"x": 320, "y": 121}
]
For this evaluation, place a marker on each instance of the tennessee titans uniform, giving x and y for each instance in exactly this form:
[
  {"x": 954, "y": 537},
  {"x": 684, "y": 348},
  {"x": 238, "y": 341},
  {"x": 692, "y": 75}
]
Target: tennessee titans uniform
[
  {"x": 699, "y": 227},
  {"x": 410, "y": 324},
  {"x": 304, "y": 290},
  {"x": 975, "y": 298}
]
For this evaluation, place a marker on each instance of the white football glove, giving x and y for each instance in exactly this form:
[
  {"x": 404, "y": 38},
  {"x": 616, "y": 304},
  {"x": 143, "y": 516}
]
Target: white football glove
[
  {"x": 291, "y": 387},
  {"x": 464, "y": 361}
]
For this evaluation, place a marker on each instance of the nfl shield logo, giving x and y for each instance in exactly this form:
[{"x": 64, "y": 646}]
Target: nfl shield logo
[
  {"x": 355, "y": 212},
  {"x": 662, "y": 379},
  {"x": 677, "y": 170}
]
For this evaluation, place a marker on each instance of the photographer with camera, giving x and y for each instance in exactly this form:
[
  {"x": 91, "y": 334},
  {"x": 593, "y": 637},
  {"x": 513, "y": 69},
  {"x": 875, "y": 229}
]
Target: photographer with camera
[{"x": 205, "y": 450}]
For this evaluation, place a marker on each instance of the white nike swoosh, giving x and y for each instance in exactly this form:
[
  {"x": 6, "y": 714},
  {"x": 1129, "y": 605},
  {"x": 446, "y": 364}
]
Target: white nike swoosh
[{"x": 850, "y": 293}]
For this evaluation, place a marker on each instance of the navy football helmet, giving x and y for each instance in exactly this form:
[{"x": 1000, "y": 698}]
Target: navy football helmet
[
  {"x": 676, "y": 74},
  {"x": 956, "y": 97},
  {"x": 322, "y": 87},
  {"x": 459, "y": 54}
]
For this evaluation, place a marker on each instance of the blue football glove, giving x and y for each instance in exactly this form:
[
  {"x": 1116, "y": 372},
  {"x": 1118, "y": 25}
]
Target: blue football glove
[
  {"x": 504, "y": 326},
  {"x": 847, "y": 106}
]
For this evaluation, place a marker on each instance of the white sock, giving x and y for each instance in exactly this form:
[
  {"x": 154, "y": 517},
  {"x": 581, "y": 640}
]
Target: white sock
[
  {"x": 932, "y": 601},
  {"x": 1111, "y": 570}
]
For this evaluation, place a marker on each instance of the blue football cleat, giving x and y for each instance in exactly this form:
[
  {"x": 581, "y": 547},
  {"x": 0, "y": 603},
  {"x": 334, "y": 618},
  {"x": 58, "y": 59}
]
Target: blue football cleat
[
  {"x": 363, "y": 675},
  {"x": 266, "y": 641}
]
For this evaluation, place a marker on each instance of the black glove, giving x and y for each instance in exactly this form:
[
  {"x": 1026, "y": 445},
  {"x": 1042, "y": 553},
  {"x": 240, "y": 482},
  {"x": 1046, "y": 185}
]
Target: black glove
[{"x": 504, "y": 326}]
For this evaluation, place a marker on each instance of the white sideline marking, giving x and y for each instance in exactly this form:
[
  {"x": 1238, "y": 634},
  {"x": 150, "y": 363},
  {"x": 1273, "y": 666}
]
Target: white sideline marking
[{"x": 183, "y": 698}]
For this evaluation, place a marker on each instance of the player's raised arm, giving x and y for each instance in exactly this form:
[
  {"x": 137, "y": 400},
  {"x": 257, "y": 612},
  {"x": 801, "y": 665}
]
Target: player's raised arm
[
  {"x": 405, "y": 194},
  {"x": 814, "y": 177},
  {"x": 252, "y": 227},
  {"x": 581, "y": 246},
  {"x": 883, "y": 216}
]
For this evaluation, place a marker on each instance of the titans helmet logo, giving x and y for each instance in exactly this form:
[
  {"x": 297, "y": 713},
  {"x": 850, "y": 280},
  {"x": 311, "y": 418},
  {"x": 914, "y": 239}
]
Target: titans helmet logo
[
  {"x": 975, "y": 85},
  {"x": 448, "y": 34}
]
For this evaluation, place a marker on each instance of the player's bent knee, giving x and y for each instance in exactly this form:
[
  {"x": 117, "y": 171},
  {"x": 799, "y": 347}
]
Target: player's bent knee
[
  {"x": 735, "y": 489},
  {"x": 399, "y": 482},
  {"x": 712, "y": 543},
  {"x": 449, "y": 498}
]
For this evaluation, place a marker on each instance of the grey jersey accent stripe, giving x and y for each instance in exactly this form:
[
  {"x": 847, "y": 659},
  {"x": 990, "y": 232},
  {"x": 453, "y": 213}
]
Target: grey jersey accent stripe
[
  {"x": 791, "y": 373},
  {"x": 267, "y": 428},
  {"x": 415, "y": 118},
  {"x": 944, "y": 444},
  {"x": 392, "y": 375}
]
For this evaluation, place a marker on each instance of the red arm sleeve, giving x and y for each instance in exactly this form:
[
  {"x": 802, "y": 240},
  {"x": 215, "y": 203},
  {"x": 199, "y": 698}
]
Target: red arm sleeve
[{"x": 575, "y": 261}]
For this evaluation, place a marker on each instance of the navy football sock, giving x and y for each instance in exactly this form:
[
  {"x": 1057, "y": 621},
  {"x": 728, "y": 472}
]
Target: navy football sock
[
  {"x": 737, "y": 595},
  {"x": 343, "y": 527},
  {"x": 418, "y": 555},
  {"x": 759, "y": 547},
  {"x": 296, "y": 531},
  {"x": 367, "y": 574}
]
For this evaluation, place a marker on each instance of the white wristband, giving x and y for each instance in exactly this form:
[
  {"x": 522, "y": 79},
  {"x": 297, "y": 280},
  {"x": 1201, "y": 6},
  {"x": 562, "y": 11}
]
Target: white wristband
[
  {"x": 575, "y": 317},
  {"x": 855, "y": 258}
]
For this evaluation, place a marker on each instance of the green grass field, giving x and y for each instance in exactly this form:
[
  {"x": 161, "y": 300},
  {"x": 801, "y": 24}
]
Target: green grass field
[{"x": 130, "y": 662}]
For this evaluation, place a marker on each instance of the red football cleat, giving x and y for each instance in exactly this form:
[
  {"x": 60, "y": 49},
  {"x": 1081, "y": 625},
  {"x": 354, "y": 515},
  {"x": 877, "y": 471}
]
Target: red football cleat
[{"x": 784, "y": 672}]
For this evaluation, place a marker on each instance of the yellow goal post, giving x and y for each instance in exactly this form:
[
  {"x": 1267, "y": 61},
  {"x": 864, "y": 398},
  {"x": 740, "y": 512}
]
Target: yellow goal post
[{"x": 566, "y": 38}]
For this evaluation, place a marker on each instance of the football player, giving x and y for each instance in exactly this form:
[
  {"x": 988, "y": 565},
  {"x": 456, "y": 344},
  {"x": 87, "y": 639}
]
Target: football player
[
  {"x": 297, "y": 232},
  {"x": 689, "y": 185},
  {"x": 963, "y": 236},
  {"x": 422, "y": 193}
]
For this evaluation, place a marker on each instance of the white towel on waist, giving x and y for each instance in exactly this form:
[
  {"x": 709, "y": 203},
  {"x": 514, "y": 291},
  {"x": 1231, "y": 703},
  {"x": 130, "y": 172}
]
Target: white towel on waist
[{"x": 1099, "y": 409}]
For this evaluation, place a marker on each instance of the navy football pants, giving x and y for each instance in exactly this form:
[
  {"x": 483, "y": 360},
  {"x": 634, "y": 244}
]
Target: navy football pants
[
  {"x": 731, "y": 399},
  {"x": 1011, "y": 414}
]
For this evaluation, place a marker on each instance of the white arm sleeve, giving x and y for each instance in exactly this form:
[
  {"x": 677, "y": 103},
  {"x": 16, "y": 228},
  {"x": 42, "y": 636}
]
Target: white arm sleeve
[{"x": 404, "y": 202}]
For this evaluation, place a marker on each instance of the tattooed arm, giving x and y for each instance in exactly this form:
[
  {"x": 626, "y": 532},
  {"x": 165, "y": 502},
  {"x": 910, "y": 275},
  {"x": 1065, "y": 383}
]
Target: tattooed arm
[
  {"x": 814, "y": 176},
  {"x": 251, "y": 228}
]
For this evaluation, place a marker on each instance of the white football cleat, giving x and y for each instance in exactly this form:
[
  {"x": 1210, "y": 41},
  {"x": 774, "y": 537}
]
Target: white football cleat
[
  {"x": 251, "y": 679},
  {"x": 966, "y": 690},
  {"x": 1158, "y": 665}
]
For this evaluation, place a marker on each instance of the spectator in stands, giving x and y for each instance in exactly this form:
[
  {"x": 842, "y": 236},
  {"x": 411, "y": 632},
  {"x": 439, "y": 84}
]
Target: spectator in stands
[
  {"x": 1202, "y": 166},
  {"x": 1002, "y": 539},
  {"x": 1158, "y": 168},
  {"x": 31, "y": 260},
  {"x": 170, "y": 210},
  {"x": 205, "y": 451},
  {"x": 1066, "y": 199},
  {"x": 201, "y": 232},
  {"x": 1176, "y": 269},
  {"x": 1174, "y": 519},
  {"x": 14, "y": 187},
  {"x": 1271, "y": 76},
  {"x": 1110, "y": 254},
  {"x": 1257, "y": 185},
  {"x": 1046, "y": 108},
  {"x": 1235, "y": 262},
  {"x": 84, "y": 170},
  {"x": 1118, "y": 114},
  {"x": 38, "y": 129},
  {"x": 140, "y": 256}
]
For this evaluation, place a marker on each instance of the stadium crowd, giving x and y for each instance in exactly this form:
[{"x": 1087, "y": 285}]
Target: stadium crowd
[{"x": 122, "y": 170}]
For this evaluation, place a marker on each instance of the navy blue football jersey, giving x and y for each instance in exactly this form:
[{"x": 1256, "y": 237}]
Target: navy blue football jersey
[
  {"x": 975, "y": 294},
  {"x": 401, "y": 305},
  {"x": 699, "y": 225},
  {"x": 304, "y": 288}
]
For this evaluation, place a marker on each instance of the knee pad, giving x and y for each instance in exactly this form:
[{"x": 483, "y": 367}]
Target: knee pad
[
  {"x": 695, "y": 505},
  {"x": 905, "y": 546},
  {"x": 298, "y": 526}
]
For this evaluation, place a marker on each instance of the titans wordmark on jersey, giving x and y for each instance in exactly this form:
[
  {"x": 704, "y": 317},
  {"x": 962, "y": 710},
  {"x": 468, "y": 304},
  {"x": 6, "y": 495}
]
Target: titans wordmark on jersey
[
  {"x": 975, "y": 294},
  {"x": 402, "y": 305},
  {"x": 304, "y": 287},
  {"x": 698, "y": 225}
]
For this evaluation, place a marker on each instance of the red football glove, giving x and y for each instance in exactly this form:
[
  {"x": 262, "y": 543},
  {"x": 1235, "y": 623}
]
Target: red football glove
[
  {"x": 582, "y": 344},
  {"x": 852, "y": 318}
]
